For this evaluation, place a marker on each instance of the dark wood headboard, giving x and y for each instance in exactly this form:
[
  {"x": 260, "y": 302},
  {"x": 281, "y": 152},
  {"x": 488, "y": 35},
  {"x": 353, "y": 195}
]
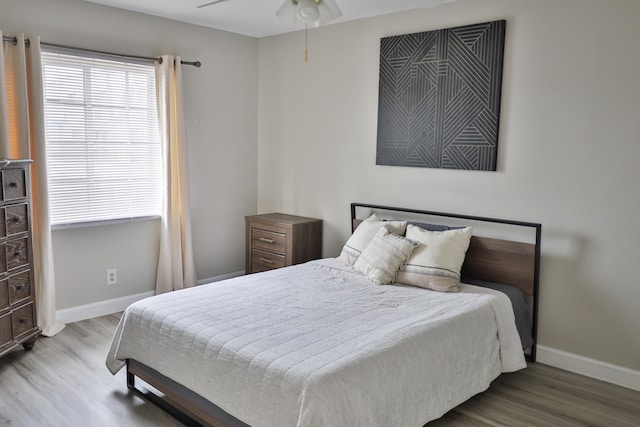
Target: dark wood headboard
[
  {"x": 501, "y": 261},
  {"x": 491, "y": 259}
]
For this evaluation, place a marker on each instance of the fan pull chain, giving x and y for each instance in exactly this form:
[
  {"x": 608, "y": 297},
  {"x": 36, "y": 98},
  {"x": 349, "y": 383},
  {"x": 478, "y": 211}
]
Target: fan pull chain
[{"x": 306, "y": 52}]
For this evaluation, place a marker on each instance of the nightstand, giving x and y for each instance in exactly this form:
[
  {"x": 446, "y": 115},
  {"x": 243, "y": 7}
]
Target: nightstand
[{"x": 277, "y": 240}]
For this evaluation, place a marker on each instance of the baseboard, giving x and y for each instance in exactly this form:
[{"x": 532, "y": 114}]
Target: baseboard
[
  {"x": 608, "y": 372},
  {"x": 102, "y": 308}
]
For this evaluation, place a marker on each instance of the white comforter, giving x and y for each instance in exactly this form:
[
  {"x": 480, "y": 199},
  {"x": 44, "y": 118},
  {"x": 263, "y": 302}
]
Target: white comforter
[{"x": 320, "y": 345}]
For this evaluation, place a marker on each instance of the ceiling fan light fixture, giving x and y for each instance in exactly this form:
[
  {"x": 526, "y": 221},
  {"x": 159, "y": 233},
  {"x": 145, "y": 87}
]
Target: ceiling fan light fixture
[{"x": 309, "y": 12}]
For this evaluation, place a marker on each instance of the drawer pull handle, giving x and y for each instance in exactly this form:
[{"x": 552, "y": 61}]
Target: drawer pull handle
[
  {"x": 267, "y": 260},
  {"x": 20, "y": 287},
  {"x": 13, "y": 184},
  {"x": 264, "y": 239},
  {"x": 17, "y": 254},
  {"x": 23, "y": 320},
  {"x": 17, "y": 220}
]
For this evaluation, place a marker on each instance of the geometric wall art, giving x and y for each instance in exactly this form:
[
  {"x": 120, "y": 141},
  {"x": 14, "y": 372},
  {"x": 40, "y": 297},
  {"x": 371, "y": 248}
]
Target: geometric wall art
[{"x": 439, "y": 99}]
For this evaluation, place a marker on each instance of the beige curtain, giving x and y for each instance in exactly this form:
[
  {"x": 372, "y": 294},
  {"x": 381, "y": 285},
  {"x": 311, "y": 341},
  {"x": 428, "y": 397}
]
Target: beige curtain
[
  {"x": 22, "y": 137},
  {"x": 176, "y": 268}
]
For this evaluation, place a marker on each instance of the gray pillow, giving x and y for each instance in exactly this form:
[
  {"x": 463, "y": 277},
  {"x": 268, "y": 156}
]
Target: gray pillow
[{"x": 433, "y": 227}]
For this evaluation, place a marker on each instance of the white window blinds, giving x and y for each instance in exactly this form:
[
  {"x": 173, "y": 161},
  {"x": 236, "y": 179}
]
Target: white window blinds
[{"x": 102, "y": 137}]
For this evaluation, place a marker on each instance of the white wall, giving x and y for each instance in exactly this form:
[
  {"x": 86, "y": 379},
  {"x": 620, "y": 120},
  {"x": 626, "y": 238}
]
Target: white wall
[
  {"x": 221, "y": 113},
  {"x": 567, "y": 158}
]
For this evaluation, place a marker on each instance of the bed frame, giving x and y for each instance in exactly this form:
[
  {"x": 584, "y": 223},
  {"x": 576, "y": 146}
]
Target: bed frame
[{"x": 490, "y": 259}]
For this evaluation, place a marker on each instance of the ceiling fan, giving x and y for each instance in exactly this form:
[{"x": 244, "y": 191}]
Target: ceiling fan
[
  {"x": 316, "y": 12},
  {"x": 308, "y": 12}
]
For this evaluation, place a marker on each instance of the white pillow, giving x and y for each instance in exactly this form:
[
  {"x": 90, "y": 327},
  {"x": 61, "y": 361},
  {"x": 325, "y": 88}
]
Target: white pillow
[
  {"x": 364, "y": 234},
  {"x": 436, "y": 263},
  {"x": 383, "y": 256}
]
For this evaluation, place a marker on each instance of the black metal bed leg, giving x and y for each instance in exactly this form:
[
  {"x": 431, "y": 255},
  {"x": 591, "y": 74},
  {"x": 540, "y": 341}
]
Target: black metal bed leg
[
  {"x": 131, "y": 379},
  {"x": 159, "y": 402}
]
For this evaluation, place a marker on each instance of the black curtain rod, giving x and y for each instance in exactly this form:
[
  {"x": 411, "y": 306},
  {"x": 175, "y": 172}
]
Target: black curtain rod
[{"x": 14, "y": 40}]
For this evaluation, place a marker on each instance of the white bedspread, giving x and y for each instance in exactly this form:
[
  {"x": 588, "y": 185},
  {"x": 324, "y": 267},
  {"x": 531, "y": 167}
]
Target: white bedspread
[{"x": 319, "y": 345}]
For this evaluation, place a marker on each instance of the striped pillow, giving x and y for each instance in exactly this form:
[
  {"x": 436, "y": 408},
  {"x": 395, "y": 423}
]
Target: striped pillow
[
  {"x": 437, "y": 261},
  {"x": 363, "y": 235},
  {"x": 383, "y": 256}
]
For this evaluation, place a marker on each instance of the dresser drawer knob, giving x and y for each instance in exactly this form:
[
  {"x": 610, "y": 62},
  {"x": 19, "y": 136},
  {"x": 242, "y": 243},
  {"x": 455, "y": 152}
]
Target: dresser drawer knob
[
  {"x": 23, "y": 320},
  {"x": 264, "y": 239},
  {"x": 267, "y": 260},
  {"x": 13, "y": 184},
  {"x": 17, "y": 220},
  {"x": 20, "y": 287},
  {"x": 17, "y": 254}
]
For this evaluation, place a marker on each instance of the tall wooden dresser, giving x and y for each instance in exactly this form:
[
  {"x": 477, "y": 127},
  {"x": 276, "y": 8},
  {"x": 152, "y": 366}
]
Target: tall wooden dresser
[
  {"x": 18, "y": 324},
  {"x": 277, "y": 240}
]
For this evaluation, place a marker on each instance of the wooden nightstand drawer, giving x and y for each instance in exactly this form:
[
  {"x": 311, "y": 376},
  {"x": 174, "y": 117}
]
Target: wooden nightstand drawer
[
  {"x": 263, "y": 260},
  {"x": 271, "y": 241},
  {"x": 19, "y": 288},
  {"x": 3, "y": 223},
  {"x": 16, "y": 253},
  {"x": 13, "y": 184},
  {"x": 6, "y": 336},
  {"x": 4, "y": 294},
  {"x": 17, "y": 219},
  {"x": 3, "y": 258},
  {"x": 23, "y": 320}
]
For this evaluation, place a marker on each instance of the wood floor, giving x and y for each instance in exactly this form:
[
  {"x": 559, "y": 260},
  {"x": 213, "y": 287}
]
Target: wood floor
[{"x": 64, "y": 382}]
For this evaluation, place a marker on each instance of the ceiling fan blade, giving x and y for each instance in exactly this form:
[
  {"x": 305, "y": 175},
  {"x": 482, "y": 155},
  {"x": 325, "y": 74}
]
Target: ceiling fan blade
[{"x": 210, "y": 3}]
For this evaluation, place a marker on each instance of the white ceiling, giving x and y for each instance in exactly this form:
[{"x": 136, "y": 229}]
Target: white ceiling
[{"x": 257, "y": 18}]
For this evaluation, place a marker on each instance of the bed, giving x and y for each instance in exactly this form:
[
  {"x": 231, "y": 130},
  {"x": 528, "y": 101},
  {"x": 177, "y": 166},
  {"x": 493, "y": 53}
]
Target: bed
[{"x": 320, "y": 344}]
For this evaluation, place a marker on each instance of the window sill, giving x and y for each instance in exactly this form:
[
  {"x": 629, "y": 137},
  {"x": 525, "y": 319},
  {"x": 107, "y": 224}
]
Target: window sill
[{"x": 56, "y": 227}]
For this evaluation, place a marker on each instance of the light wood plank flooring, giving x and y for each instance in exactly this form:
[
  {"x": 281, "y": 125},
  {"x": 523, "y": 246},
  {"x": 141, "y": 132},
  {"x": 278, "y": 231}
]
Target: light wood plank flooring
[{"x": 64, "y": 382}]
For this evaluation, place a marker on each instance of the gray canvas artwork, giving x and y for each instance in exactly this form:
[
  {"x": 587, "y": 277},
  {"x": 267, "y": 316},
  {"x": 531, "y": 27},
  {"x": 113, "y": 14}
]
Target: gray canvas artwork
[{"x": 439, "y": 100}]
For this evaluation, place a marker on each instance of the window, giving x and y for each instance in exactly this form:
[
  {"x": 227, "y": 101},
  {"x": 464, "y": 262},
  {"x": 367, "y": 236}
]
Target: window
[{"x": 102, "y": 137}]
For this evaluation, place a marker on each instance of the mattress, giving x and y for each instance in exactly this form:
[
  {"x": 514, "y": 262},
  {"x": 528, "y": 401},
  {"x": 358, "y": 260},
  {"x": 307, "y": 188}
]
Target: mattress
[{"x": 318, "y": 344}]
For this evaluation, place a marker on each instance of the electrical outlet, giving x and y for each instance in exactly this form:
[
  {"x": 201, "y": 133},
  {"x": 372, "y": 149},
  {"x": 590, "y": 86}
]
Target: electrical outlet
[{"x": 112, "y": 276}]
